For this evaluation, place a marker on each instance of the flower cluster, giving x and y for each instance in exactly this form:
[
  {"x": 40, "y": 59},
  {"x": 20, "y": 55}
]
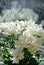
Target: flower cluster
[
  {"x": 29, "y": 35},
  {"x": 18, "y": 14}
]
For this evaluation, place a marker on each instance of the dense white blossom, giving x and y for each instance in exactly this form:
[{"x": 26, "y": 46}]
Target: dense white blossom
[
  {"x": 18, "y": 14},
  {"x": 31, "y": 37},
  {"x": 10, "y": 28},
  {"x": 17, "y": 54}
]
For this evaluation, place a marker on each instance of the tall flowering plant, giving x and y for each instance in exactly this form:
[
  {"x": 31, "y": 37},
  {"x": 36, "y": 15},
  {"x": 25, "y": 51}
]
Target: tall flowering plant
[{"x": 20, "y": 42}]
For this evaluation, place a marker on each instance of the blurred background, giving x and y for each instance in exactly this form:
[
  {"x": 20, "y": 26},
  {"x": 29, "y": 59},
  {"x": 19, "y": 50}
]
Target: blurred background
[{"x": 36, "y": 5}]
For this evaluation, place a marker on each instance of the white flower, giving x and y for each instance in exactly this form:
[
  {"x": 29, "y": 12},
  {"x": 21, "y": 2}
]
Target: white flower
[
  {"x": 18, "y": 14},
  {"x": 10, "y": 28},
  {"x": 30, "y": 36},
  {"x": 17, "y": 54}
]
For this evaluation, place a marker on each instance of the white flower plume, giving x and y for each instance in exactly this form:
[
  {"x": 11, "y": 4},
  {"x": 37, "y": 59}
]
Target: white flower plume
[{"x": 31, "y": 37}]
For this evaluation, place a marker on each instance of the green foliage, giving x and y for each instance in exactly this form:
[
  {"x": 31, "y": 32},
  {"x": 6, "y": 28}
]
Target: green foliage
[
  {"x": 27, "y": 60},
  {"x": 6, "y": 43}
]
